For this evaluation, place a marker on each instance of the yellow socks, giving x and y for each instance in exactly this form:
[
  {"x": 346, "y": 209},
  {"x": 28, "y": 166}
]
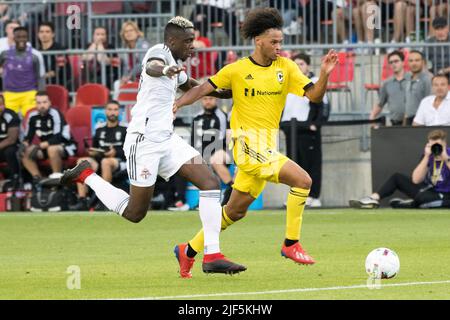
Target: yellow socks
[
  {"x": 198, "y": 241},
  {"x": 295, "y": 205}
]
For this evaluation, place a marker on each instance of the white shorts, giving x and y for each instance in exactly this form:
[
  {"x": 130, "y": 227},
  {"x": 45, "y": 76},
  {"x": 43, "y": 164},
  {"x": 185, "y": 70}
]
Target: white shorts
[{"x": 147, "y": 159}]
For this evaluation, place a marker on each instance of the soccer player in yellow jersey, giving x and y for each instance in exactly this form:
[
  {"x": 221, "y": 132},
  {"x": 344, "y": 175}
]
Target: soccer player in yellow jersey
[{"x": 259, "y": 85}]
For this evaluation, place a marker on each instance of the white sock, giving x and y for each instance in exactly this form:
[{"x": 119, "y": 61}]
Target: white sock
[
  {"x": 211, "y": 216},
  {"x": 113, "y": 198}
]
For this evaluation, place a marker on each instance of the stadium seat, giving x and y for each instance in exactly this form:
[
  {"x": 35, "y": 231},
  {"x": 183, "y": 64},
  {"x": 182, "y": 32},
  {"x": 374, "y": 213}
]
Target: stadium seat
[
  {"x": 79, "y": 120},
  {"x": 59, "y": 97},
  {"x": 128, "y": 93},
  {"x": 76, "y": 65},
  {"x": 342, "y": 74},
  {"x": 92, "y": 94}
]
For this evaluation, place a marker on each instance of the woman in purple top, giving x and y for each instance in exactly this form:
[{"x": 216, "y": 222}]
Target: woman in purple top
[{"x": 429, "y": 186}]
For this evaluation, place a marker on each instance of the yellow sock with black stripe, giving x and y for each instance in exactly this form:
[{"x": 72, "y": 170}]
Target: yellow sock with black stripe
[
  {"x": 295, "y": 206},
  {"x": 197, "y": 242}
]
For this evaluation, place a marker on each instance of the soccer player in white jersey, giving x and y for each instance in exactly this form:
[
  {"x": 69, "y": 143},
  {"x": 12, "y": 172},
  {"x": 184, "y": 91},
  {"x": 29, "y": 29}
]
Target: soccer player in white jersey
[{"x": 152, "y": 148}]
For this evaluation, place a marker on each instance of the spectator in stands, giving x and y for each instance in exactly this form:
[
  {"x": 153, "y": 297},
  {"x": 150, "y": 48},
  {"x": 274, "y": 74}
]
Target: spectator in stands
[
  {"x": 438, "y": 8},
  {"x": 307, "y": 136},
  {"x": 57, "y": 66},
  {"x": 8, "y": 41},
  {"x": 362, "y": 11},
  {"x": 47, "y": 125},
  {"x": 439, "y": 55},
  {"x": 434, "y": 110},
  {"x": 404, "y": 14},
  {"x": 27, "y": 13},
  {"x": 288, "y": 9},
  {"x": 94, "y": 62},
  {"x": 9, "y": 139},
  {"x": 22, "y": 74},
  {"x": 106, "y": 153},
  {"x": 210, "y": 13},
  {"x": 208, "y": 136},
  {"x": 202, "y": 64},
  {"x": 133, "y": 39},
  {"x": 314, "y": 12},
  {"x": 429, "y": 185},
  {"x": 418, "y": 85},
  {"x": 392, "y": 91},
  {"x": 4, "y": 16}
]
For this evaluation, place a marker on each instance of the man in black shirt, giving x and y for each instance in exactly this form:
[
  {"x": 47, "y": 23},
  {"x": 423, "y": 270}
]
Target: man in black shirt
[
  {"x": 209, "y": 131},
  {"x": 107, "y": 152},
  {"x": 48, "y": 126},
  {"x": 57, "y": 66},
  {"x": 9, "y": 138}
]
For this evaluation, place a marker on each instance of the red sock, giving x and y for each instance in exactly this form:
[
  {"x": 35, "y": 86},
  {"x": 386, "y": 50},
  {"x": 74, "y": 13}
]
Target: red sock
[
  {"x": 84, "y": 174},
  {"x": 212, "y": 257}
]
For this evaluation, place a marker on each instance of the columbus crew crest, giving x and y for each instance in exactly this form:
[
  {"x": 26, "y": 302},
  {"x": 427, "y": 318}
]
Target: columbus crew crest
[{"x": 280, "y": 76}]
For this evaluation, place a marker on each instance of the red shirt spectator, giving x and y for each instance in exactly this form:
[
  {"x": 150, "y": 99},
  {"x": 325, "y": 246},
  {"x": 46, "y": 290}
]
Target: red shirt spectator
[{"x": 202, "y": 64}]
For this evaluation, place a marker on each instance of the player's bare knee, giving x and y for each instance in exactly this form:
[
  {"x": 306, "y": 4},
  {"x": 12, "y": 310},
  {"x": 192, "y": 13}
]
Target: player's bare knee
[
  {"x": 210, "y": 183},
  {"x": 135, "y": 215},
  {"x": 303, "y": 182},
  {"x": 235, "y": 213}
]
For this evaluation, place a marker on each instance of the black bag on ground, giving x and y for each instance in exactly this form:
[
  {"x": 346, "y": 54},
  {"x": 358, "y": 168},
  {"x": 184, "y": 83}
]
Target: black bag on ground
[{"x": 49, "y": 195}]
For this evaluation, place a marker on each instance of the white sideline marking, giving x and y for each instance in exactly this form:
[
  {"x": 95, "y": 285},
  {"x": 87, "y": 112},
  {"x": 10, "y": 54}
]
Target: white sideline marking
[{"x": 405, "y": 284}]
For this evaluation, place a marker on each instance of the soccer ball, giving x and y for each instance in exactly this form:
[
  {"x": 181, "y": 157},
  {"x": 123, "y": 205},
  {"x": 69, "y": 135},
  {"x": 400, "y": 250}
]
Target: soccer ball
[{"x": 382, "y": 263}]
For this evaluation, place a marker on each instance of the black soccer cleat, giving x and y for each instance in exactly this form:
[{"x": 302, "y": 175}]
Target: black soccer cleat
[
  {"x": 73, "y": 175},
  {"x": 222, "y": 265}
]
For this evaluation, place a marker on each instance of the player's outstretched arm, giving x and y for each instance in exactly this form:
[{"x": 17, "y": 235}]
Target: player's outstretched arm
[
  {"x": 193, "y": 95},
  {"x": 316, "y": 92},
  {"x": 157, "y": 68},
  {"x": 218, "y": 93}
]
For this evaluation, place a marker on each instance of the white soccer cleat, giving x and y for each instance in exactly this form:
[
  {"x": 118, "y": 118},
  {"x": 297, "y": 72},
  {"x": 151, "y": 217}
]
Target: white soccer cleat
[{"x": 365, "y": 203}]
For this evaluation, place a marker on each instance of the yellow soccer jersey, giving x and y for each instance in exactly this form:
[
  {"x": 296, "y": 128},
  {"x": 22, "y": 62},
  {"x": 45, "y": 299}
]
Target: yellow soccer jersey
[{"x": 259, "y": 93}]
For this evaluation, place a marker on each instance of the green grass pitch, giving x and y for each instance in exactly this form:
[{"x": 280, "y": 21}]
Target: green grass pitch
[{"x": 120, "y": 260}]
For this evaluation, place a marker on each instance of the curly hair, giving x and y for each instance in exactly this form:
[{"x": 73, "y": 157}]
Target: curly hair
[{"x": 259, "y": 20}]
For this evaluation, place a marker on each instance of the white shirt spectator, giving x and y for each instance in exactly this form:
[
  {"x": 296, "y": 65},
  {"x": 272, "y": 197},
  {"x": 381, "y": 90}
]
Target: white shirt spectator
[
  {"x": 298, "y": 107},
  {"x": 427, "y": 115}
]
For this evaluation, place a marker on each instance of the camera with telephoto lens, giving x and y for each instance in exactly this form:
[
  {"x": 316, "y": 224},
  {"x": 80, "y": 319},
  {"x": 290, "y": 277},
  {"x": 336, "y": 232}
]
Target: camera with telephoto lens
[{"x": 436, "y": 149}]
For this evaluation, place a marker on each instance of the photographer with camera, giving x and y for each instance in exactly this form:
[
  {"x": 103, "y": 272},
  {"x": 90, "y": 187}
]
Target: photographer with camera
[{"x": 429, "y": 186}]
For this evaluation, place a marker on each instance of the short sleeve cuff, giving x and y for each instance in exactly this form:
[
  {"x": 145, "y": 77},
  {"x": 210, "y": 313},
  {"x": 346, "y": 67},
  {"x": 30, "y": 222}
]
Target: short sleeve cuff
[
  {"x": 309, "y": 85},
  {"x": 212, "y": 83}
]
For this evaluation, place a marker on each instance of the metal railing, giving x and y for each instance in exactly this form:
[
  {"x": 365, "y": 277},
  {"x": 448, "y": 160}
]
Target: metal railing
[
  {"x": 305, "y": 21},
  {"x": 75, "y": 21}
]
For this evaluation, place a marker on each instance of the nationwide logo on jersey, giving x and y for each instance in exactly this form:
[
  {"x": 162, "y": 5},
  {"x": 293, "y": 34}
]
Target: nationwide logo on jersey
[
  {"x": 247, "y": 91},
  {"x": 249, "y": 77},
  {"x": 280, "y": 76},
  {"x": 145, "y": 174}
]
